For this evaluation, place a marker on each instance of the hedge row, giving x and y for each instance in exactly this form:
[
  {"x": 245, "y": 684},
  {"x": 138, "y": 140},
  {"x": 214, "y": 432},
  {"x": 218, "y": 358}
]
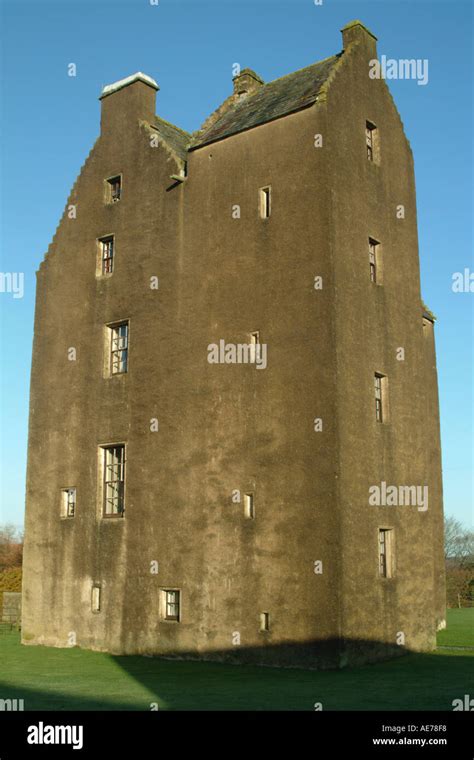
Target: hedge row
[{"x": 10, "y": 580}]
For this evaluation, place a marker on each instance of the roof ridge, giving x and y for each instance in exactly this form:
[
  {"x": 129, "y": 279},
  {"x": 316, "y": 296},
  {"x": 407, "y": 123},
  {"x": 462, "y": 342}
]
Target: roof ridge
[
  {"x": 272, "y": 100},
  {"x": 298, "y": 71}
]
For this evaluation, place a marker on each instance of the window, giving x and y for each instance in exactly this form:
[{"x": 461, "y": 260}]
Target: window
[
  {"x": 249, "y": 507},
  {"x": 118, "y": 348},
  {"x": 264, "y": 621},
  {"x": 371, "y": 139},
  {"x": 427, "y": 326},
  {"x": 106, "y": 250},
  {"x": 255, "y": 346},
  {"x": 381, "y": 397},
  {"x": 385, "y": 553},
  {"x": 373, "y": 259},
  {"x": 171, "y": 605},
  {"x": 114, "y": 189},
  {"x": 68, "y": 502},
  {"x": 265, "y": 205},
  {"x": 95, "y": 598},
  {"x": 114, "y": 480},
  {"x": 380, "y": 387}
]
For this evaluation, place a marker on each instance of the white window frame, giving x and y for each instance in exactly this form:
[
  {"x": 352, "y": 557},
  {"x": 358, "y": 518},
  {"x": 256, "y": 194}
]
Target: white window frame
[
  {"x": 103, "y": 244},
  {"x": 118, "y": 348},
  {"x": 110, "y": 492},
  {"x": 165, "y": 604}
]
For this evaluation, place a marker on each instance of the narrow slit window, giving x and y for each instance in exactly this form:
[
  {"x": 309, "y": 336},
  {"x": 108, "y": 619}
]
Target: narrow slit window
[
  {"x": 249, "y": 506},
  {"x": 68, "y": 502},
  {"x": 114, "y": 481},
  {"x": 371, "y": 141},
  {"x": 264, "y": 621},
  {"x": 381, "y": 401},
  {"x": 255, "y": 346},
  {"x": 373, "y": 259},
  {"x": 378, "y": 398},
  {"x": 265, "y": 202},
  {"x": 385, "y": 553},
  {"x": 95, "y": 598},
  {"x": 106, "y": 246},
  {"x": 119, "y": 348}
]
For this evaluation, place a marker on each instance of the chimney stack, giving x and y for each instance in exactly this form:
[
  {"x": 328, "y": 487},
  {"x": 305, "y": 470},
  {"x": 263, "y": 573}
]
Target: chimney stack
[
  {"x": 355, "y": 31},
  {"x": 129, "y": 99},
  {"x": 246, "y": 82}
]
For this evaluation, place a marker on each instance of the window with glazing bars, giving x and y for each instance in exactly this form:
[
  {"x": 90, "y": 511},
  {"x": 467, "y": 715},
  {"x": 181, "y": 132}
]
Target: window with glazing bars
[
  {"x": 119, "y": 348},
  {"x": 107, "y": 255},
  {"x": 114, "y": 479},
  {"x": 378, "y": 398},
  {"x": 172, "y": 605}
]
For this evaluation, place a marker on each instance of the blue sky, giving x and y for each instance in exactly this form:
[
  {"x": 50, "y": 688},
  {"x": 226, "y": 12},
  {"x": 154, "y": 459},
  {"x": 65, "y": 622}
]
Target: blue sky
[{"x": 50, "y": 121}]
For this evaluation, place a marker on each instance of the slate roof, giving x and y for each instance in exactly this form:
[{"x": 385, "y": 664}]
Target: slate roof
[
  {"x": 283, "y": 96},
  {"x": 427, "y": 313},
  {"x": 176, "y": 138}
]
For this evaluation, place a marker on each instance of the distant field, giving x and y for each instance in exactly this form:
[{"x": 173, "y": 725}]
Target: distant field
[
  {"x": 75, "y": 679},
  {"x": 460, "y": 630}
]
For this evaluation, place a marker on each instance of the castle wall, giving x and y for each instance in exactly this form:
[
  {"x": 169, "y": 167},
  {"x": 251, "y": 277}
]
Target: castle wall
[{"x": 227, "y": 428}]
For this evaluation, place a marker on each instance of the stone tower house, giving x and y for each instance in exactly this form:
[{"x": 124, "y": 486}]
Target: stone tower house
[{"x": 234, "y": 446}]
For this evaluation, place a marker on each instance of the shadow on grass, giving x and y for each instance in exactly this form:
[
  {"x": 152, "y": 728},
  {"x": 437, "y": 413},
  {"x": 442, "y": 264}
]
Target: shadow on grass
[{"x": 74, "y": 679}]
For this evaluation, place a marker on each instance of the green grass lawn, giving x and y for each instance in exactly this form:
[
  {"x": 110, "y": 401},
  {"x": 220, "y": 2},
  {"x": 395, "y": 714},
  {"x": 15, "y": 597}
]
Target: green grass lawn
[
  {"x": 460, "y": 630},
  {"x": 74, "y": 679}
]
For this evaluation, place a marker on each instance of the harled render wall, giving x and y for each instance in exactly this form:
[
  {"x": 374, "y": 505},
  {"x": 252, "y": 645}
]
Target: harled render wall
[
  {"x": 228, "y": 427},
  {"x": 373, "y": 322},
  {"x": 221, "y": 428}
]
